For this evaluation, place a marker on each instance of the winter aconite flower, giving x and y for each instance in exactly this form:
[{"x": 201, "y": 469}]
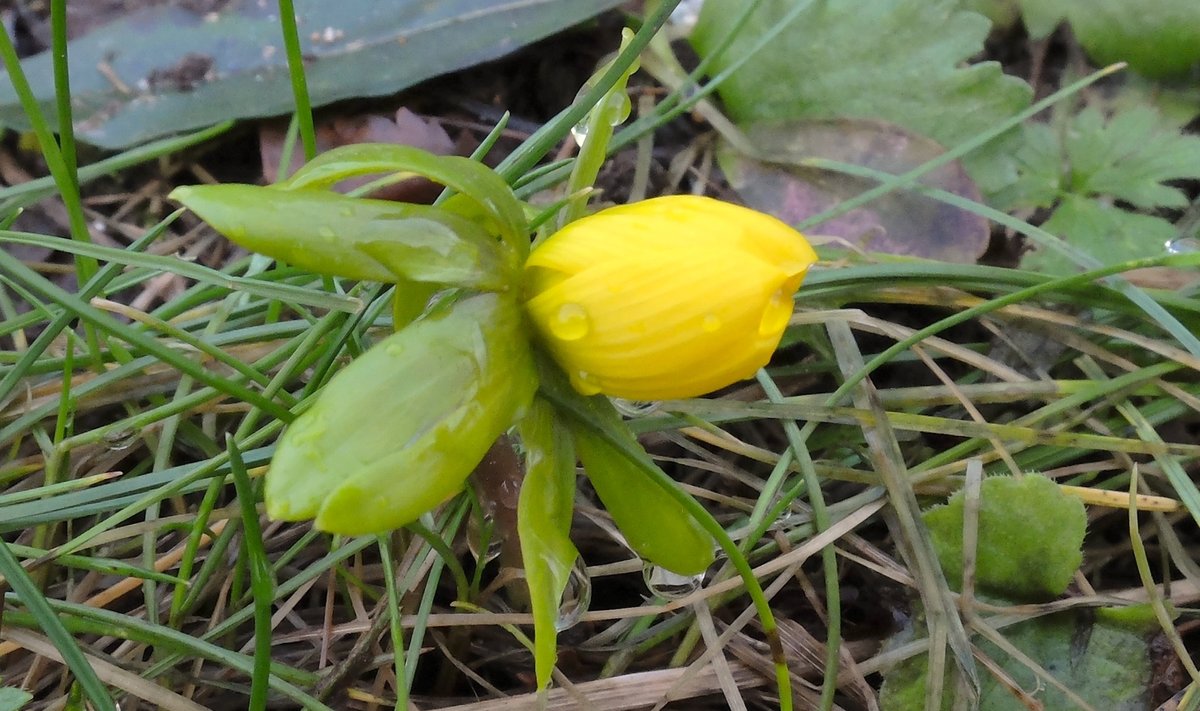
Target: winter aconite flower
[{"x": 666, "y": 298}]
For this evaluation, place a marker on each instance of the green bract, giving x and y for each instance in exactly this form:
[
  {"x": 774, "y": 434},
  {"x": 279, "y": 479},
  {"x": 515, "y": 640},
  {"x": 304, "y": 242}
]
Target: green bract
[
  {"x": 399, "y": 429},
  {"x": 654, "y": 524},
  {"x": 544, "y": 525},
  {"x": 374, "y": 240}
]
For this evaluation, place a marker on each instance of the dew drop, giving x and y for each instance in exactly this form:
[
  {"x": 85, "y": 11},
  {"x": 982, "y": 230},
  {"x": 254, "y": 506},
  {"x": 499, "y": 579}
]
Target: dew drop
[
  {"x": 685, "y": 15},
  {"x": 484, "y": 539},
  {"x": 1183, "y": 245},
  {"x": 119, "y": 440},
  {"x": 635, "y": 408},
  {"x": 711, "y": 323},
  {"x": 668, "y": 585},
  {"x": 777, "y": 314},
  {"x": 619, "y": 107},
  {"x": 570, "y": 322},
  {"x": 584, "y": 383},
  {"x": 394, "y": 349},
  {"x": 576, "y": 597},
  {"x": 326, "y": 232},
  {"x": 579, "y": 132}
]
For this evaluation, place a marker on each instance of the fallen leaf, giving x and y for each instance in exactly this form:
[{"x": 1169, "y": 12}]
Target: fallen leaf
[{"x": 778, "y": 181}]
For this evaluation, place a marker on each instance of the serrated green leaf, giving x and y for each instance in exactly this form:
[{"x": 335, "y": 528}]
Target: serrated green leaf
[
  {"x": 1130, "y": 157},
  {"x": 1086, "y": 167},
  {"x": 902, "y": 61},
  {"x": 397, "y": 431},
  {"x": 1105, "y": 662},
  {"x": 1104, "y": 231},
  {"x": 174, "y": 67},
  {"x": 544, "y": 511},
  {"x": 1030, "y": 538},
  {"x": 329, "y": 233}
]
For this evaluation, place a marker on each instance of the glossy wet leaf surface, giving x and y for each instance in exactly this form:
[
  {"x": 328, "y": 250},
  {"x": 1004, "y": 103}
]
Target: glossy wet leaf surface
[{"x": 168, "y": 69}]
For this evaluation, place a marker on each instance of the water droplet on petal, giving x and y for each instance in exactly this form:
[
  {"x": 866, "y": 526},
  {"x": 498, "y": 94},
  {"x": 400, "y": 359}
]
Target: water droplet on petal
[
  {"x": 777, "y": 314},
  {"x": 119, "y": 440},
  {"x": 711, "y": 323},
  {"x": 576, "y": 597},
  {"x": 584, "y": 383},
  {"x": 1183, "y": 245},
  {"x": 668, "y": 585},
  {"x": 570, "y": 322}
]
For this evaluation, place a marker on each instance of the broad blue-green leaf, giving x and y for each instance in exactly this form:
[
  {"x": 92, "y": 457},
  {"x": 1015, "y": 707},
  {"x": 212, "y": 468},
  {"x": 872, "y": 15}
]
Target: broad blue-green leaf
[
  {"x": 544, "y": 511},
  {"x": 903, "y": 61},
  {"x": 397, "y": 431},
  {"x": 357, "y": 238},
  {"x": 168, "y": 68},
  {"x": 1030, "y": 538},
  {"x": 654, "y": 524}
]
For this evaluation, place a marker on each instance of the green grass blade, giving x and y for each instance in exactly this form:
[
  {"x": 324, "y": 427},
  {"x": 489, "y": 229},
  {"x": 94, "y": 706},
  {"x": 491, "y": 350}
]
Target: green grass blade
[
  {"x": 46, "y": 620},
  {"x": 291, "y": 44},
  {"x": 262, "y": 581},
  {"x": 136, "y": 338}
]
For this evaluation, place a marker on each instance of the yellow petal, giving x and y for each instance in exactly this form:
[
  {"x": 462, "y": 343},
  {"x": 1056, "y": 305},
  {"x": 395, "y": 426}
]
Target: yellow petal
[
  {"x": 665, "y": 324},
  {"x": 675, "y": 222}
]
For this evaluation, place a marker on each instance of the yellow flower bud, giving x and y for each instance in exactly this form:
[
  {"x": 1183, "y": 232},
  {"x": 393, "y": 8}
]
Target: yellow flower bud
[{"x": 671, "y": 297}]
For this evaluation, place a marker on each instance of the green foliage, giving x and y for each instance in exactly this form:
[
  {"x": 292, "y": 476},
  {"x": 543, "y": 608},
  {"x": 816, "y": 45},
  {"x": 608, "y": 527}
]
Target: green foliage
[
  {"x": 1158, "y": 38},
  {"x": 902, "y": 61},
  {"x": 544, "y": 511},
  {"x": 1102, "y": 660},
  {"x": 1087, "y": 165},
  {"x": 178, "y": 70},
  {"x": 376, "y": 240},
  {"x": 397, "y": 431},
  {"x": 14, "y": 699},
  {"x": 1041, "y": 17},
  {"x": 1030, "y": 537},
  {"x": 653, "y": 523}
]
